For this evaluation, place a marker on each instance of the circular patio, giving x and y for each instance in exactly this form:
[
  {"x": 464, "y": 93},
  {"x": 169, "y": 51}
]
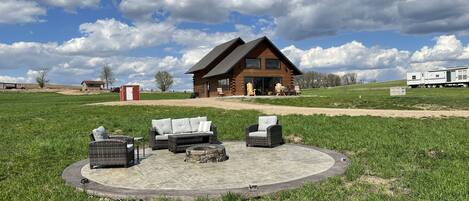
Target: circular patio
[{"x": 249, "y": 171}]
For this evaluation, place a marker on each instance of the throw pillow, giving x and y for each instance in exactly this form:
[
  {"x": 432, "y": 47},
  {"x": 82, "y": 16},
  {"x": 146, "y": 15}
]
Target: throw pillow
[
  {"x": 195, "y": 122},
  {"x": 266, "y": 121},
  {"x": 162, "y": 126},
  {"x": 204, "y": 126},
  {"x": 181, "y": 125},
  {"x": 100, "y": 134}
]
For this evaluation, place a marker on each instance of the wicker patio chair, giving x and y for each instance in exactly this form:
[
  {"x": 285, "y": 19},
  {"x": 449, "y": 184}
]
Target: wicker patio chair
[
  {"x": 268, "y": 133},
  {"x": 113, "y": 151}
]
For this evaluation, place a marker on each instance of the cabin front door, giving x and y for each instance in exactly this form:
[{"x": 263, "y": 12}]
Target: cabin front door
[{"x": 263, "y": 85}]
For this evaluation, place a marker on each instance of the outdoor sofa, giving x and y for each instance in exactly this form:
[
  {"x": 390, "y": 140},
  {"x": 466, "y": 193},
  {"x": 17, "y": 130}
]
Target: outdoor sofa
[
  {"x": 267, "y": 133},
  {"x": 163, "y": 128},
  {"x": 106, "y": 150}
]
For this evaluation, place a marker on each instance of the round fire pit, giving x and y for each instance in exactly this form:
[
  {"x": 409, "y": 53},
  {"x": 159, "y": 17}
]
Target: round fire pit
[{"x": 206, "y": 153}]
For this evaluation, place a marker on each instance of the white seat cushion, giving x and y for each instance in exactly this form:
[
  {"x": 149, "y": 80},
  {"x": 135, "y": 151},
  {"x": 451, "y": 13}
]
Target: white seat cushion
[
  {"x": 258, "y": 134},
  {"x": 162, "y": 126},
  {"x": 195, "y": 122},
  {"x": 161, "y": 137},
  {"x": 204, "y": 126},
  {"x": 208, "y": 132},
  {"x": 266, "y": 121},
  {"x": 129, "y": 146},
  {"x": 181, "y": 125},
  {"x": 100, "y": 134}
]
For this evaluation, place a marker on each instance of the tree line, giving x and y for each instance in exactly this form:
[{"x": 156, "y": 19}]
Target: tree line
[
  {"x": 315, "y": 79},
  {"x": 164, "y": 80}
]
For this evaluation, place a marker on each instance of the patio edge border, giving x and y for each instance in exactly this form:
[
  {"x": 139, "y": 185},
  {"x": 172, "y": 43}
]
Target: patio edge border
[{"x": 72, "y": 176}]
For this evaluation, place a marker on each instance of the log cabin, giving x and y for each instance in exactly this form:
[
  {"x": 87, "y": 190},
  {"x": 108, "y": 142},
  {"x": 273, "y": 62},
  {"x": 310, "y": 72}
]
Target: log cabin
[{"x": 230, "y": 66}]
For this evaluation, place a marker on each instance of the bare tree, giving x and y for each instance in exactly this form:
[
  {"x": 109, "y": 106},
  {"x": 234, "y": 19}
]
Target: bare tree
[
  {"x": 41, "y": 77},
  {"x": 349, "y": 78},
  {"x": 107, "y": 76},
  {"x": 164, "y": 80}
]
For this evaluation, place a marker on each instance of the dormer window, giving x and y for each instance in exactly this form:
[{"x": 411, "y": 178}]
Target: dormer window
[
  {"x": 253, "y": 63},
  {"x": 272, "y": 64}
]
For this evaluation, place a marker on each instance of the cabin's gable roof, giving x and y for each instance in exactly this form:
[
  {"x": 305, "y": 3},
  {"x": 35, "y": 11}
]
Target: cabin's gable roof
[
  {"x": 241, "y": 52},
  {"x": 214, "y": 54}
]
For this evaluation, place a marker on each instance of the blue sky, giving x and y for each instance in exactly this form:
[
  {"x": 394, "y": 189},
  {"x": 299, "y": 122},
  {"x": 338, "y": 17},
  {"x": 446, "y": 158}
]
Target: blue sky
[{"x": 379, "y": 40}]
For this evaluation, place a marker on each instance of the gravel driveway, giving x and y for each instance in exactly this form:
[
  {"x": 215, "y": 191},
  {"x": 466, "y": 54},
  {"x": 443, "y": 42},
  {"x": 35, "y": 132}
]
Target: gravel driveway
[{"x": 236, "y": 104}]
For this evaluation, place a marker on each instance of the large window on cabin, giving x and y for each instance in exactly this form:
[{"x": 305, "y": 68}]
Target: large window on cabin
[
  {"x": 253, "y": 63},
  {"x": 224, "y": 83},
  {"x": 272, "y": 64}
]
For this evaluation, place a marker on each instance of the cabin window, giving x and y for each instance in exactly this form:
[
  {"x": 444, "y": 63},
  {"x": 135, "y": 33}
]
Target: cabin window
[
  {"x": 224, "y": 83},
  {"x": 414, "y": 77},
  {"x": 253, "y": 63},
  {"x": 272, "y": 64}
]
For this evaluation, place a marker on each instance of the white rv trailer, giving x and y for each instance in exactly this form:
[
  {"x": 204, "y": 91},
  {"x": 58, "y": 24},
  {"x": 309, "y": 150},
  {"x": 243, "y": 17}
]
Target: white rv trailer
[{"x": 439, "y": 78}]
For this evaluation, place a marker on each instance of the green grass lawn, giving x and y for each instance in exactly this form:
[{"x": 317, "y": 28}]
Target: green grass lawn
[
  {"x": 418, "y": 159},
  {"x": 376, "y": 96}
]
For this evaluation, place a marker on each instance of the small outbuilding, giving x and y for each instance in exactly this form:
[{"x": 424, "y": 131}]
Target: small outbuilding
[
  {"x": 91, "y": 85},
  {"x": 129, "y": 92}
]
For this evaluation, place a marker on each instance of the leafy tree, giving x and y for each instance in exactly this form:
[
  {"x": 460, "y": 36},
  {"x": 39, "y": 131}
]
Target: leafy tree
[
  {"x": 164, "y": 80},
  {"x": 41, "y": 77},
  {"x": 107, "y": 76}
]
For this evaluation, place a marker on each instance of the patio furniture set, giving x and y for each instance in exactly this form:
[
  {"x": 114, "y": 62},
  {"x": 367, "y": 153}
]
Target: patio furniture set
[{"x": 196, "y": 135}]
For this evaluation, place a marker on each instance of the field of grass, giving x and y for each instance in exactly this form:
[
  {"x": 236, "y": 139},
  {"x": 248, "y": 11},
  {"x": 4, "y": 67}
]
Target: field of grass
[
  {"x": 376, "y": 96},
  {"x": 392, "y": 158}
]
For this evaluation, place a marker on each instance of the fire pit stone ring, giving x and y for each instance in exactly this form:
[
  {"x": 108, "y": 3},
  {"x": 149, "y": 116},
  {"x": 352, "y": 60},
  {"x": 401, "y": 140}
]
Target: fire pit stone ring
[{"x": 205, "y": 153}]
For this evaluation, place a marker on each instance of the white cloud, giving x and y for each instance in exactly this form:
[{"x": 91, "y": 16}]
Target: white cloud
[
  {"x": 353, "y": 55},
  {"x": 377, "y": 63},
  {"x": 106, "y": 37},
  {"x": 20, "y": 11},
  {"x": 302, "y": 19},
  {"x": 106, "y": 42},
  {"x": 6, "y": 78},
  {"x": 447, "y": 47}
]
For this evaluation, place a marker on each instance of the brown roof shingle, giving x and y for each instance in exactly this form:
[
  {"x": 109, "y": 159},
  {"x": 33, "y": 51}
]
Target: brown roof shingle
[
  {"x": 214, "y": 54},
  {"x": 240, "y": 52}
]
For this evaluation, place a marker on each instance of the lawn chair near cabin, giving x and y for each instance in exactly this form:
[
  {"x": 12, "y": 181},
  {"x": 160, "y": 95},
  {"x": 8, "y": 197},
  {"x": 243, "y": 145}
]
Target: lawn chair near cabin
[
  {"x": 220, "y": 92},
  {"x": 297, "y": 90}
]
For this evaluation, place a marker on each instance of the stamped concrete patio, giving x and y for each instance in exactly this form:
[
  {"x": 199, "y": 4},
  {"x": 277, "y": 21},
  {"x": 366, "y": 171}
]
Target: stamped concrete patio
[{"x": 163, "y": 173}]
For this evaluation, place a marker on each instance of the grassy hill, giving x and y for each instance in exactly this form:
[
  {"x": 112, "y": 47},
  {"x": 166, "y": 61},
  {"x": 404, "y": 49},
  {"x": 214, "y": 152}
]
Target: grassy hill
[
  {"x": 392, "y": 158},
  {"x": 387, "y": 84},
  {"x": 376, "y": 96}
]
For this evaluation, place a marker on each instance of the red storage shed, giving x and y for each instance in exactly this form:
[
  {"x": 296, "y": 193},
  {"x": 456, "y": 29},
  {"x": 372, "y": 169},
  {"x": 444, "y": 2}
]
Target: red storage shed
[{"x": 130, "y": 92}]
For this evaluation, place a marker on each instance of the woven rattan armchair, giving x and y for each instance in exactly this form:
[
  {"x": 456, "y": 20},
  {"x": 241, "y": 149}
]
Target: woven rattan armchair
[
  {"x": 271, "y": 137},
  {"x": 117, "y": 150}
]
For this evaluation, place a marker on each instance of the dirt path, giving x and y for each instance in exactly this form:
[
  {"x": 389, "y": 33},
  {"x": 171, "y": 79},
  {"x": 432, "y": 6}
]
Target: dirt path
[{"x": 233, "y": 104}]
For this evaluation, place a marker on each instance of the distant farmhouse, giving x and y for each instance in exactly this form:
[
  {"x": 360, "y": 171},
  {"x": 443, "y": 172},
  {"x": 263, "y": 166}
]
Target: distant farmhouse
[
  {"x": 230, "y": 66},
  {"x": 6, "y": 85},
  {"x": 91, "y": 85},
  {"x": 439, "y": 78}
]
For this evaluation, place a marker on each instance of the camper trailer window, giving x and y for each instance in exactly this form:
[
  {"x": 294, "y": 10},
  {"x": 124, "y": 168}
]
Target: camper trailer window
[
  {"x": 414, "y": 77},
  {"x": 437, "y": 75}
]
